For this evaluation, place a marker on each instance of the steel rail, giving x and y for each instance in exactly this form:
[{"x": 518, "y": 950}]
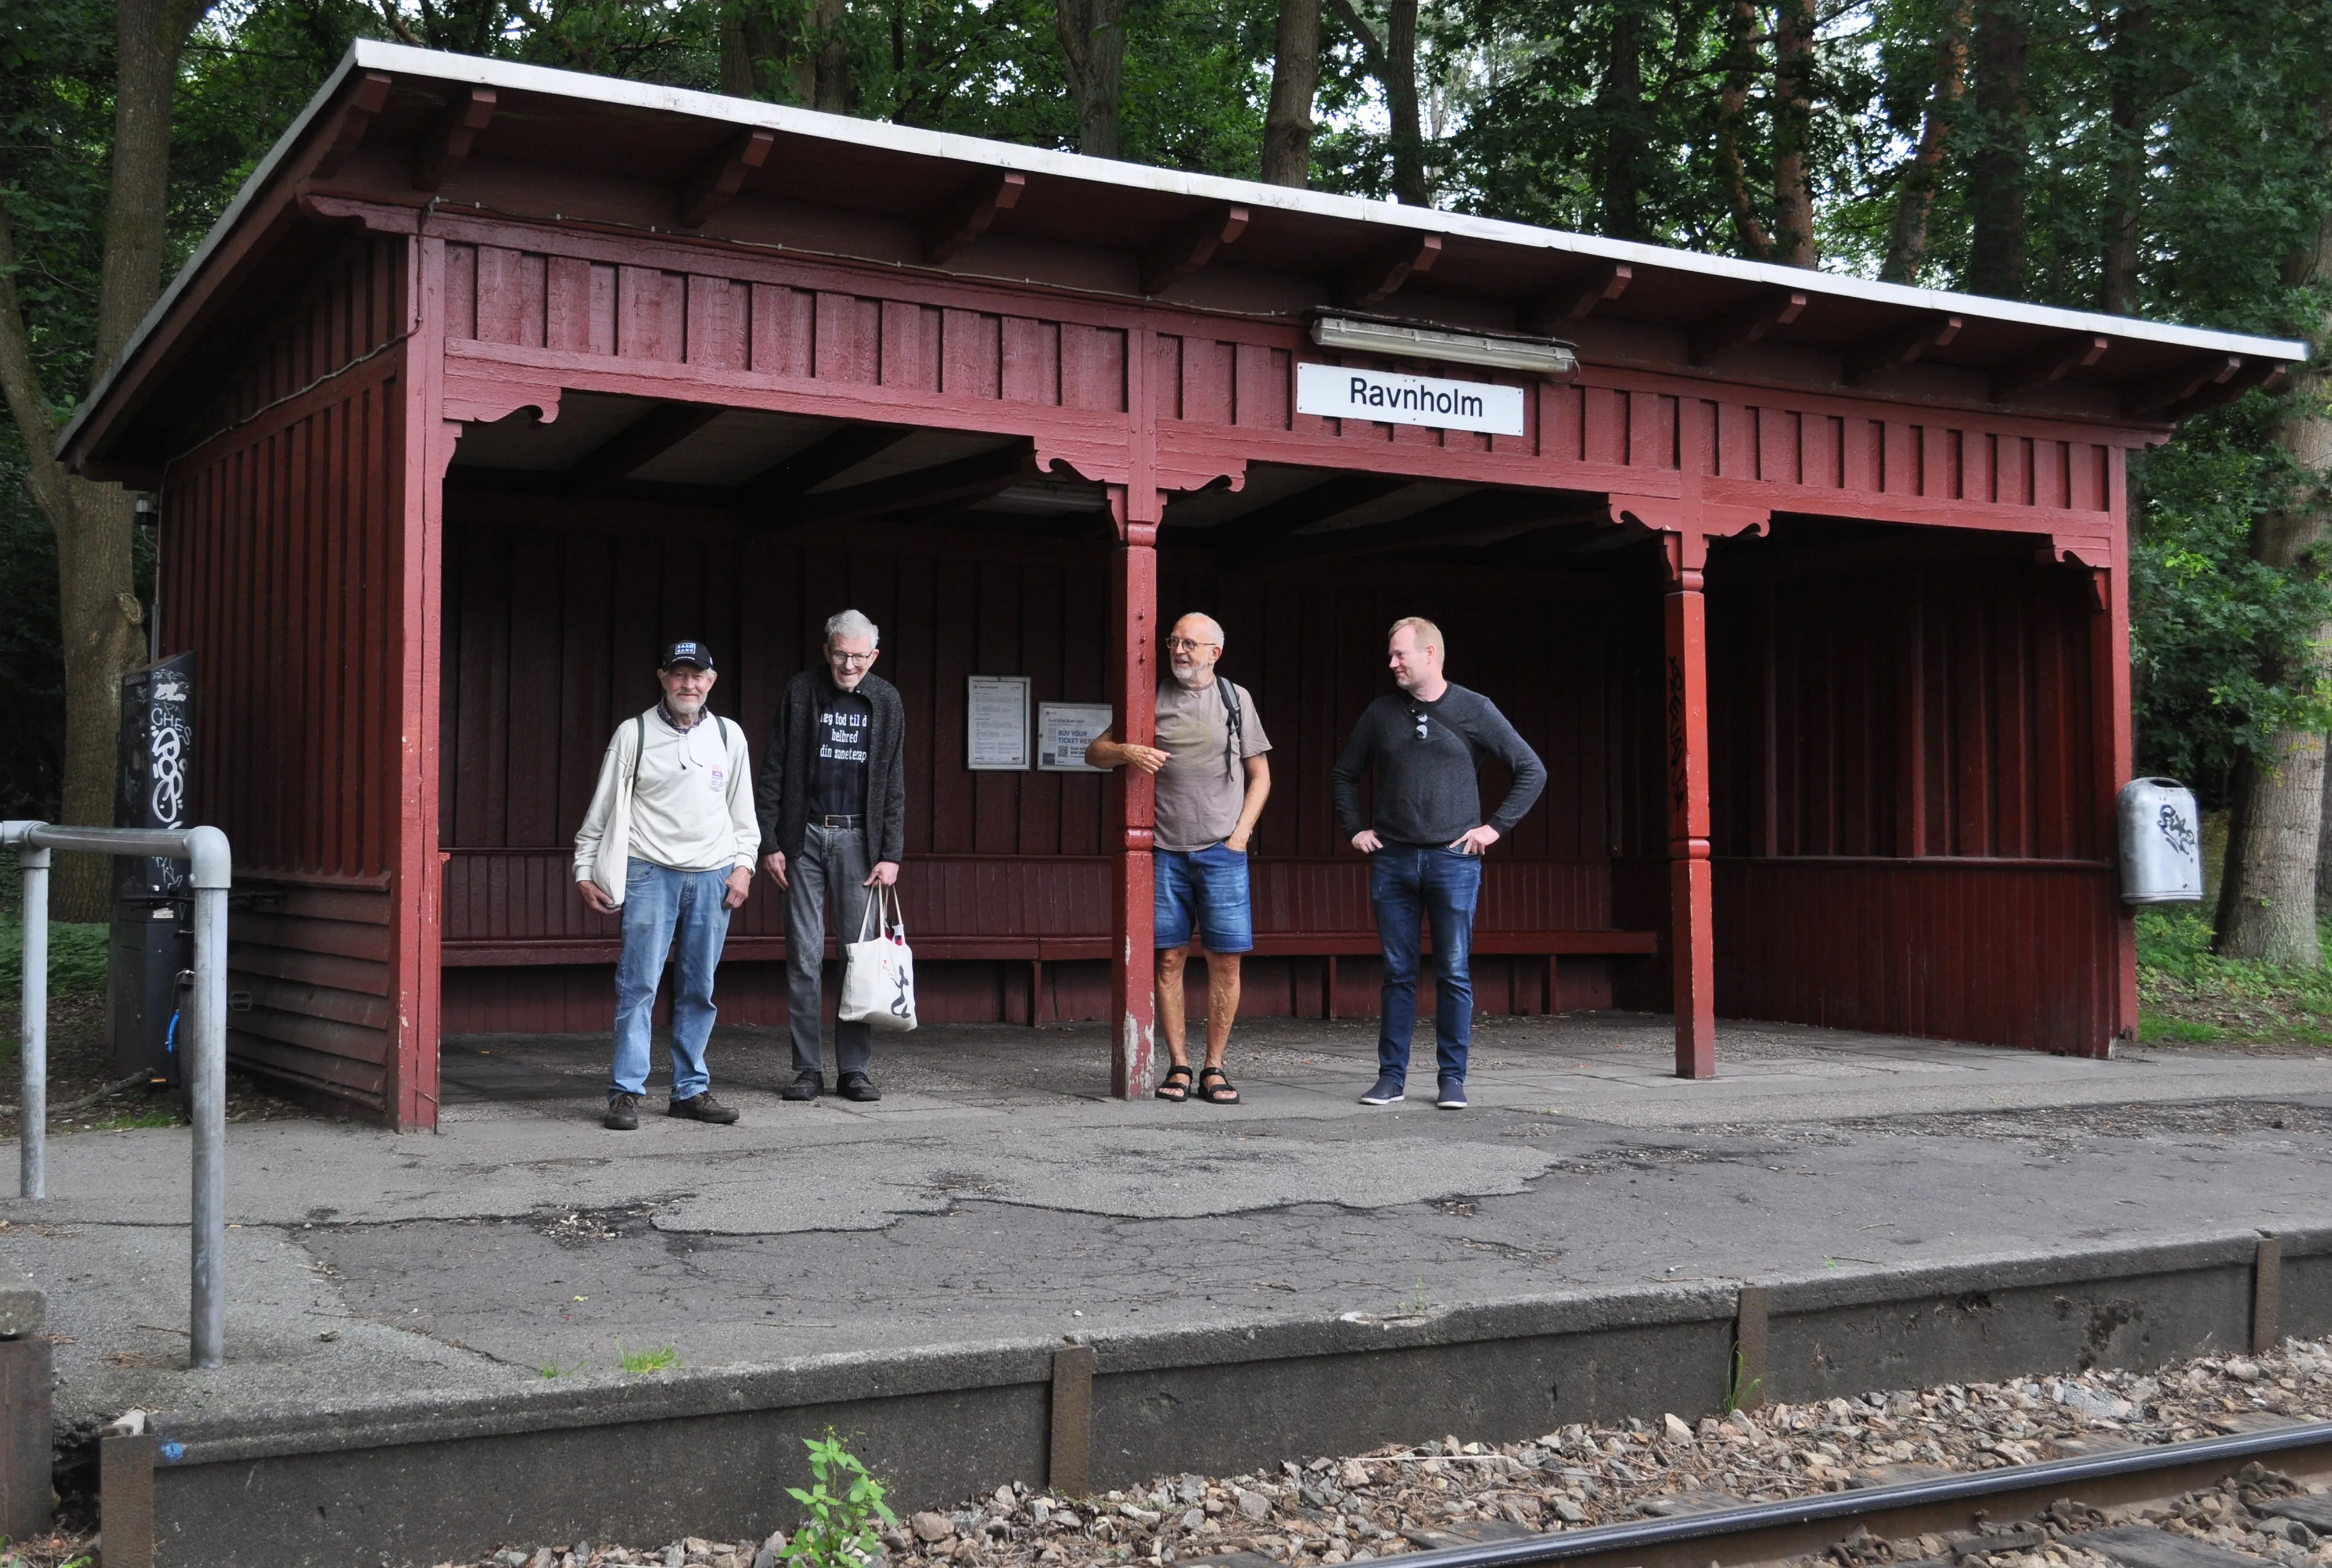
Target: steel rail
[
  {"x": 210, "y": 872},
  {"x": 1653, "y": 1536}
]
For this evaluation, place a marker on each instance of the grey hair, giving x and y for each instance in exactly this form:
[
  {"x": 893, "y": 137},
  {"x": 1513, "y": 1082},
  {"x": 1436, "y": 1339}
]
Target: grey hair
[
  {"x": 851, "y": 624},
  {"x": 1214, "y": 627}
]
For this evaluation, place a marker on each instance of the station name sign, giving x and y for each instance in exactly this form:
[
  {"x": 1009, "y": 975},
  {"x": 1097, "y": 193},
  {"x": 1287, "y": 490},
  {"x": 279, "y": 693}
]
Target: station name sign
[{"x": 1346, "y": 392}]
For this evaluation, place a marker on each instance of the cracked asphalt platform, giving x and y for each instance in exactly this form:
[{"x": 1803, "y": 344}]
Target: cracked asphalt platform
[{"x": 996, "y": 1193}]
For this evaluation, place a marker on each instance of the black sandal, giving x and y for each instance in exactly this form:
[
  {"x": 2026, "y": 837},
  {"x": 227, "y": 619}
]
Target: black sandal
[
  {"x": 1175, "y": 1085},
  {"x": 1221, "y": 1093}
]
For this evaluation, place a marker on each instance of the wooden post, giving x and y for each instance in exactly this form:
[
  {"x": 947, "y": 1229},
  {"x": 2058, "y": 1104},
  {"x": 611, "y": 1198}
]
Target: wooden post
[
  {"x": 1133, "y": 675},
  {"x": 2119, "y": 747},
  {"x": 1692, "y": 905}
]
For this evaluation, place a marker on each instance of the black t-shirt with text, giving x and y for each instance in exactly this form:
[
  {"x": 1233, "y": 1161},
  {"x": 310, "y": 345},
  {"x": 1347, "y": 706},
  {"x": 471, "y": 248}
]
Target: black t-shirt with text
[{"x": 839, "y": 787}]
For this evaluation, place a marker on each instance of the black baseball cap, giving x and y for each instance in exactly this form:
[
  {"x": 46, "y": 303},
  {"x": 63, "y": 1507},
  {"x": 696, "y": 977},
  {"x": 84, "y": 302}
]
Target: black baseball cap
[{"x": 695, "y": 653}]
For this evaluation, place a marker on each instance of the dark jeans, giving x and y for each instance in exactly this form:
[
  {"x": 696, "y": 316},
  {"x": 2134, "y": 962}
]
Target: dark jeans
[
  {"x": 833, "y": 862},
  {"x": 1412, "y": 884}
]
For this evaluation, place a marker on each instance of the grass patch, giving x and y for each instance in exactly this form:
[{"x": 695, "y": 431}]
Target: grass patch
[
  {"x": 2189, "y": 995},
  {"x": 664, "y": 1358}
]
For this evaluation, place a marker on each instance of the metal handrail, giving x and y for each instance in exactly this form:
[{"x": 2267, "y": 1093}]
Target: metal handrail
[{"x": 211, "y": 871}]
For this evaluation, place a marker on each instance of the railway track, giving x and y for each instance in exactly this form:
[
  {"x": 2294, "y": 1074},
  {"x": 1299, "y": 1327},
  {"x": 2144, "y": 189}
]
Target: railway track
[{"x": 2015, "y": 1508}]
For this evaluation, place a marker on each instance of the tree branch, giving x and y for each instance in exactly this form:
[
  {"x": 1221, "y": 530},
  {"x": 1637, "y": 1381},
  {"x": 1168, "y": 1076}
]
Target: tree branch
[{"x": 1370, "y": 45}]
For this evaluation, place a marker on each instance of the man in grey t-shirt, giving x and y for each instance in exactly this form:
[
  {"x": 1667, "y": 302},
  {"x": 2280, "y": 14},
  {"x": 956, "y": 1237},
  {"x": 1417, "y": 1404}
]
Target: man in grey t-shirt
[{"x": 1212, "y": 781}]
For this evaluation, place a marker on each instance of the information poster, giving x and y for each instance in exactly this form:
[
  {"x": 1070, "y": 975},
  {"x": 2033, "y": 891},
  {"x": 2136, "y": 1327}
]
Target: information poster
[
  {"x": 996, "y": 730},
  {"x": 1063, "y": 731}
]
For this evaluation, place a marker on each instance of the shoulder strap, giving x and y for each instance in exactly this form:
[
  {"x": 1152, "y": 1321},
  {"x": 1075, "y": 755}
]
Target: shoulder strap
[
  {"x": 640, "y": 742},
  {"x": 1235, "y": 726}
]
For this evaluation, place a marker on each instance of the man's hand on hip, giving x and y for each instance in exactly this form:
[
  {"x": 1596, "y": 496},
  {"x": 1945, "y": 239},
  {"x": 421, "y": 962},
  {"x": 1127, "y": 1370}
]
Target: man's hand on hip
[
  {"x": 1477, "y": 841},
  {"x": 1367, "y": 842},
  {"x": 596, "y": 898},
  {"x": 741, "y": 883},
  {"x": 885, "y": 875},
  {"x": 774, "y": 863}
]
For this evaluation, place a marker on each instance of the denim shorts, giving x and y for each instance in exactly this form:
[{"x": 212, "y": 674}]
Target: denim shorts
[{"x": 1205, "y": 888}]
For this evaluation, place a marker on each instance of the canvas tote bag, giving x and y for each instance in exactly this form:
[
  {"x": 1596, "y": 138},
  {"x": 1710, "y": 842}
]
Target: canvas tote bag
[
  {"x": 878, "y": 973},
  {"x": 613, "y": 866}
]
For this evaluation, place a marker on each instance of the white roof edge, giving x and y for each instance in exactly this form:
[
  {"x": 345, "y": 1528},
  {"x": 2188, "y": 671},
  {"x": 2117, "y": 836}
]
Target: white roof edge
[{"x": 397, "y": 59}]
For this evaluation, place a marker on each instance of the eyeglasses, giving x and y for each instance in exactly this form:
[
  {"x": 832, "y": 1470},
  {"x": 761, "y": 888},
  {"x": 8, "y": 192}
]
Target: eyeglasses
[
  {"x": 853, "y": 660},
  {"x": 1192, "y": 644}
]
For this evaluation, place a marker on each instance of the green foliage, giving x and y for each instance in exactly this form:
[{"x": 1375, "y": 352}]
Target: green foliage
[
  {"x": 2174, "y": 960},
  {"x": 845, "y": 1508},
  {"x": 76, "y": 952},
  {"x": 664, "y": 1358},
  {"x": 2215, "y": 635}
]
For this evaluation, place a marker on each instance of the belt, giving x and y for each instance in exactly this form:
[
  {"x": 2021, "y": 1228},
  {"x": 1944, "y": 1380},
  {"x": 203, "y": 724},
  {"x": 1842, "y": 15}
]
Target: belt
[{"x": 839, "y": 821}]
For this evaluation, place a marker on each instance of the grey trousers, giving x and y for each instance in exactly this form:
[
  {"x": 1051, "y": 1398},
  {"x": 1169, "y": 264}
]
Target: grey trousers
[{"x": 831, "y": 860}]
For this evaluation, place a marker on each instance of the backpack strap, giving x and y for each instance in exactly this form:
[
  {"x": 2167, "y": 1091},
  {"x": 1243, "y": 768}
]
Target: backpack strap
[
  {"x": 639, "y": 744},
  {"x": 1235, "y": 726}
]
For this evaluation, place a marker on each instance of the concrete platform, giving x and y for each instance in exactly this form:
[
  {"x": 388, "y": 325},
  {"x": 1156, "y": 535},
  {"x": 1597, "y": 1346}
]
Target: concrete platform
[{"x": 996, "y": 1195}]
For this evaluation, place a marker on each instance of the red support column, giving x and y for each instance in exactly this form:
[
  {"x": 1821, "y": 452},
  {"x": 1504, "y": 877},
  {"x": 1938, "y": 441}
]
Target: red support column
[
  {"x": 2116, "y": 748},
  {"x": 1692, "y": 905},
  {"x": 1133, "y": 679}
]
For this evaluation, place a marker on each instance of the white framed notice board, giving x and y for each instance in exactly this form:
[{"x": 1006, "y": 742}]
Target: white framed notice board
[
  {"x": 996, "y": 724},
  {"x": 1063, "y": 731}
]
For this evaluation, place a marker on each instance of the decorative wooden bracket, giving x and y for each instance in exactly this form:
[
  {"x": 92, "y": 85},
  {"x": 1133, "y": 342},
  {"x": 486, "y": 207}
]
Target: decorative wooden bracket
[
  {"x": 477, "y": 395},
  {"x": 967, "y": 218},
  {"x": 722, "y": 175},
  {"x": 2175, "y": 386},
  {"x": 347, "y": 128},
  {"x": 1185, "y": 252},
  {"x": 1686, "y": 528},
  {"x": 2052, "y": 363},
  {"x": 2265, "y": 374},
  {"x": 448, "y": 142},
  {"x": 1893, "y": 350},
  {"x": 380, "y": 217},
  {"x": 1744, "y": 324},
  {"x": 1134, "y": 511},
  {"x": 1577, "y": 299},
  {"x": 1382, "y": 275}
]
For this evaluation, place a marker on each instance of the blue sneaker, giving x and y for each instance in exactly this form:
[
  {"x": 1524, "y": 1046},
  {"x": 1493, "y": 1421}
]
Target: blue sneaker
[
  {"x": 1453, "y": 1095},
  {"x": 1388, "y": 1089}
]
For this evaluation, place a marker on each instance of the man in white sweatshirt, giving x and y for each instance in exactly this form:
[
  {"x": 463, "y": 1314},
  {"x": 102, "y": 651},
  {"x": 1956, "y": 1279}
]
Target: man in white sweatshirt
[{"x": 688, "y": 861}]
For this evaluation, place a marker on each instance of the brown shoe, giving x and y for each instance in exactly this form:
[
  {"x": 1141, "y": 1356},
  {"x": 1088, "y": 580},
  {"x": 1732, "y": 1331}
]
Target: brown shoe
[
  {"x": 623, "y": 1113},
  {"x": 703, "y": 1108}
]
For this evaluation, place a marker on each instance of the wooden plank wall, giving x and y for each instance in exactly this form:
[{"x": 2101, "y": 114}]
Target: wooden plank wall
[
  {"x": 980, "y": 356},
  {"x": 277, "y": 538},
  {"x": 1907, "y": 823},
  {"x": 549, "y": 644}
]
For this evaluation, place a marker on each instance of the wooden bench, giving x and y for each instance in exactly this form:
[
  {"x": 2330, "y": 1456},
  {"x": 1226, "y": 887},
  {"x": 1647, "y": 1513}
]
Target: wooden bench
[{"x": 1037, "y": 952}]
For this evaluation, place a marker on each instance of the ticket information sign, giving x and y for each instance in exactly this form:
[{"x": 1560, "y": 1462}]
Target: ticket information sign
[
  {"x": 1063, "y": 731},
  {"x": 1347, "y": 392},
  {"x": 996, "y": 724}
]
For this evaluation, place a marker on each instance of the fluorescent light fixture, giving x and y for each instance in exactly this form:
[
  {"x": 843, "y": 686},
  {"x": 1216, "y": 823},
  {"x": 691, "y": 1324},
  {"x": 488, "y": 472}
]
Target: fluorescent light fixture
[{"x": 1400, "y": 340}]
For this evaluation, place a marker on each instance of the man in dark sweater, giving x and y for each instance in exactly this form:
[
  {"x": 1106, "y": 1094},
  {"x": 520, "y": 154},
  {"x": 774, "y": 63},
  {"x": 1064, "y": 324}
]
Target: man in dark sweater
[
  {"x": 832, "y": 799},
  {"x": 1425, "y": 847}
]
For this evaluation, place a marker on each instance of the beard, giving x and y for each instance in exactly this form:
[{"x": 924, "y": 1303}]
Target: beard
[{"x": 684, "y": 707}]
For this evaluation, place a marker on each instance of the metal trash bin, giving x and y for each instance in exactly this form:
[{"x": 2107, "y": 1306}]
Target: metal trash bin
[{"x": 2161, "y": 842}]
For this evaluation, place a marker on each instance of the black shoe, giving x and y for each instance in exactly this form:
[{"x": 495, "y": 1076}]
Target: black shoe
[
  {"x": 623, "y": 1113},
  {"x": 807, "y": 1085},
  {"x": 703, "y": 1108},
  {"x": 858, "y": 1086}
]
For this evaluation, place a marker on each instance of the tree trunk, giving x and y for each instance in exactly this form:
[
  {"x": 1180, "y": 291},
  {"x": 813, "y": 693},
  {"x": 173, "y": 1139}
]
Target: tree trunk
[
  {"x": 828, "y": 73},
  {"x": 1408, "y": 182},
  {"x": 2267, "y": 899},
  {"x": 1793, "y": 114},
  {"x": 761, "y": 55},
  {"x": 1732, "y": 107},
  {"x": 1620, "y": 99},
  {"x": 2130, "y": 46},
  {"x": 1907, "y": 251},
  {"x": 99, "y": 614},
  {"x": 1093, "y": 43},
  {"x": 1295, "y": 78},
  {"x": 2001, "y": 165}
]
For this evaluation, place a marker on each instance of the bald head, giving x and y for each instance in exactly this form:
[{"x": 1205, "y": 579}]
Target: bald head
[{"x": 1192, "y": 647}]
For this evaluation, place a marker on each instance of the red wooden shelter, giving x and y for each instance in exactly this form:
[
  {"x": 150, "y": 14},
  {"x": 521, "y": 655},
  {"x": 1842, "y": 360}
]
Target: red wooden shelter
[{"x": 1809, "y": 590}]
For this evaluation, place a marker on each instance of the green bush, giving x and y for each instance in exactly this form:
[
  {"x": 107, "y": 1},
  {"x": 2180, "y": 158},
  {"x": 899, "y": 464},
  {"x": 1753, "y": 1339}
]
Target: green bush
[{"x": 844, "y": 1504}]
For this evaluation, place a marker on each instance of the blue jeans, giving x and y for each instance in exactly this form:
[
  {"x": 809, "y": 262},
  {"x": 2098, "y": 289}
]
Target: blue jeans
[
  {"x": 1205, "y": 890},
  {"x": 1412, "y": 884},
  {"x": 659, "y": 905}
]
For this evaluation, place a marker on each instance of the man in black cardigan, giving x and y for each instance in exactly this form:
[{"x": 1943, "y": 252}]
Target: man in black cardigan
[{"x": 832, "y": 799}]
